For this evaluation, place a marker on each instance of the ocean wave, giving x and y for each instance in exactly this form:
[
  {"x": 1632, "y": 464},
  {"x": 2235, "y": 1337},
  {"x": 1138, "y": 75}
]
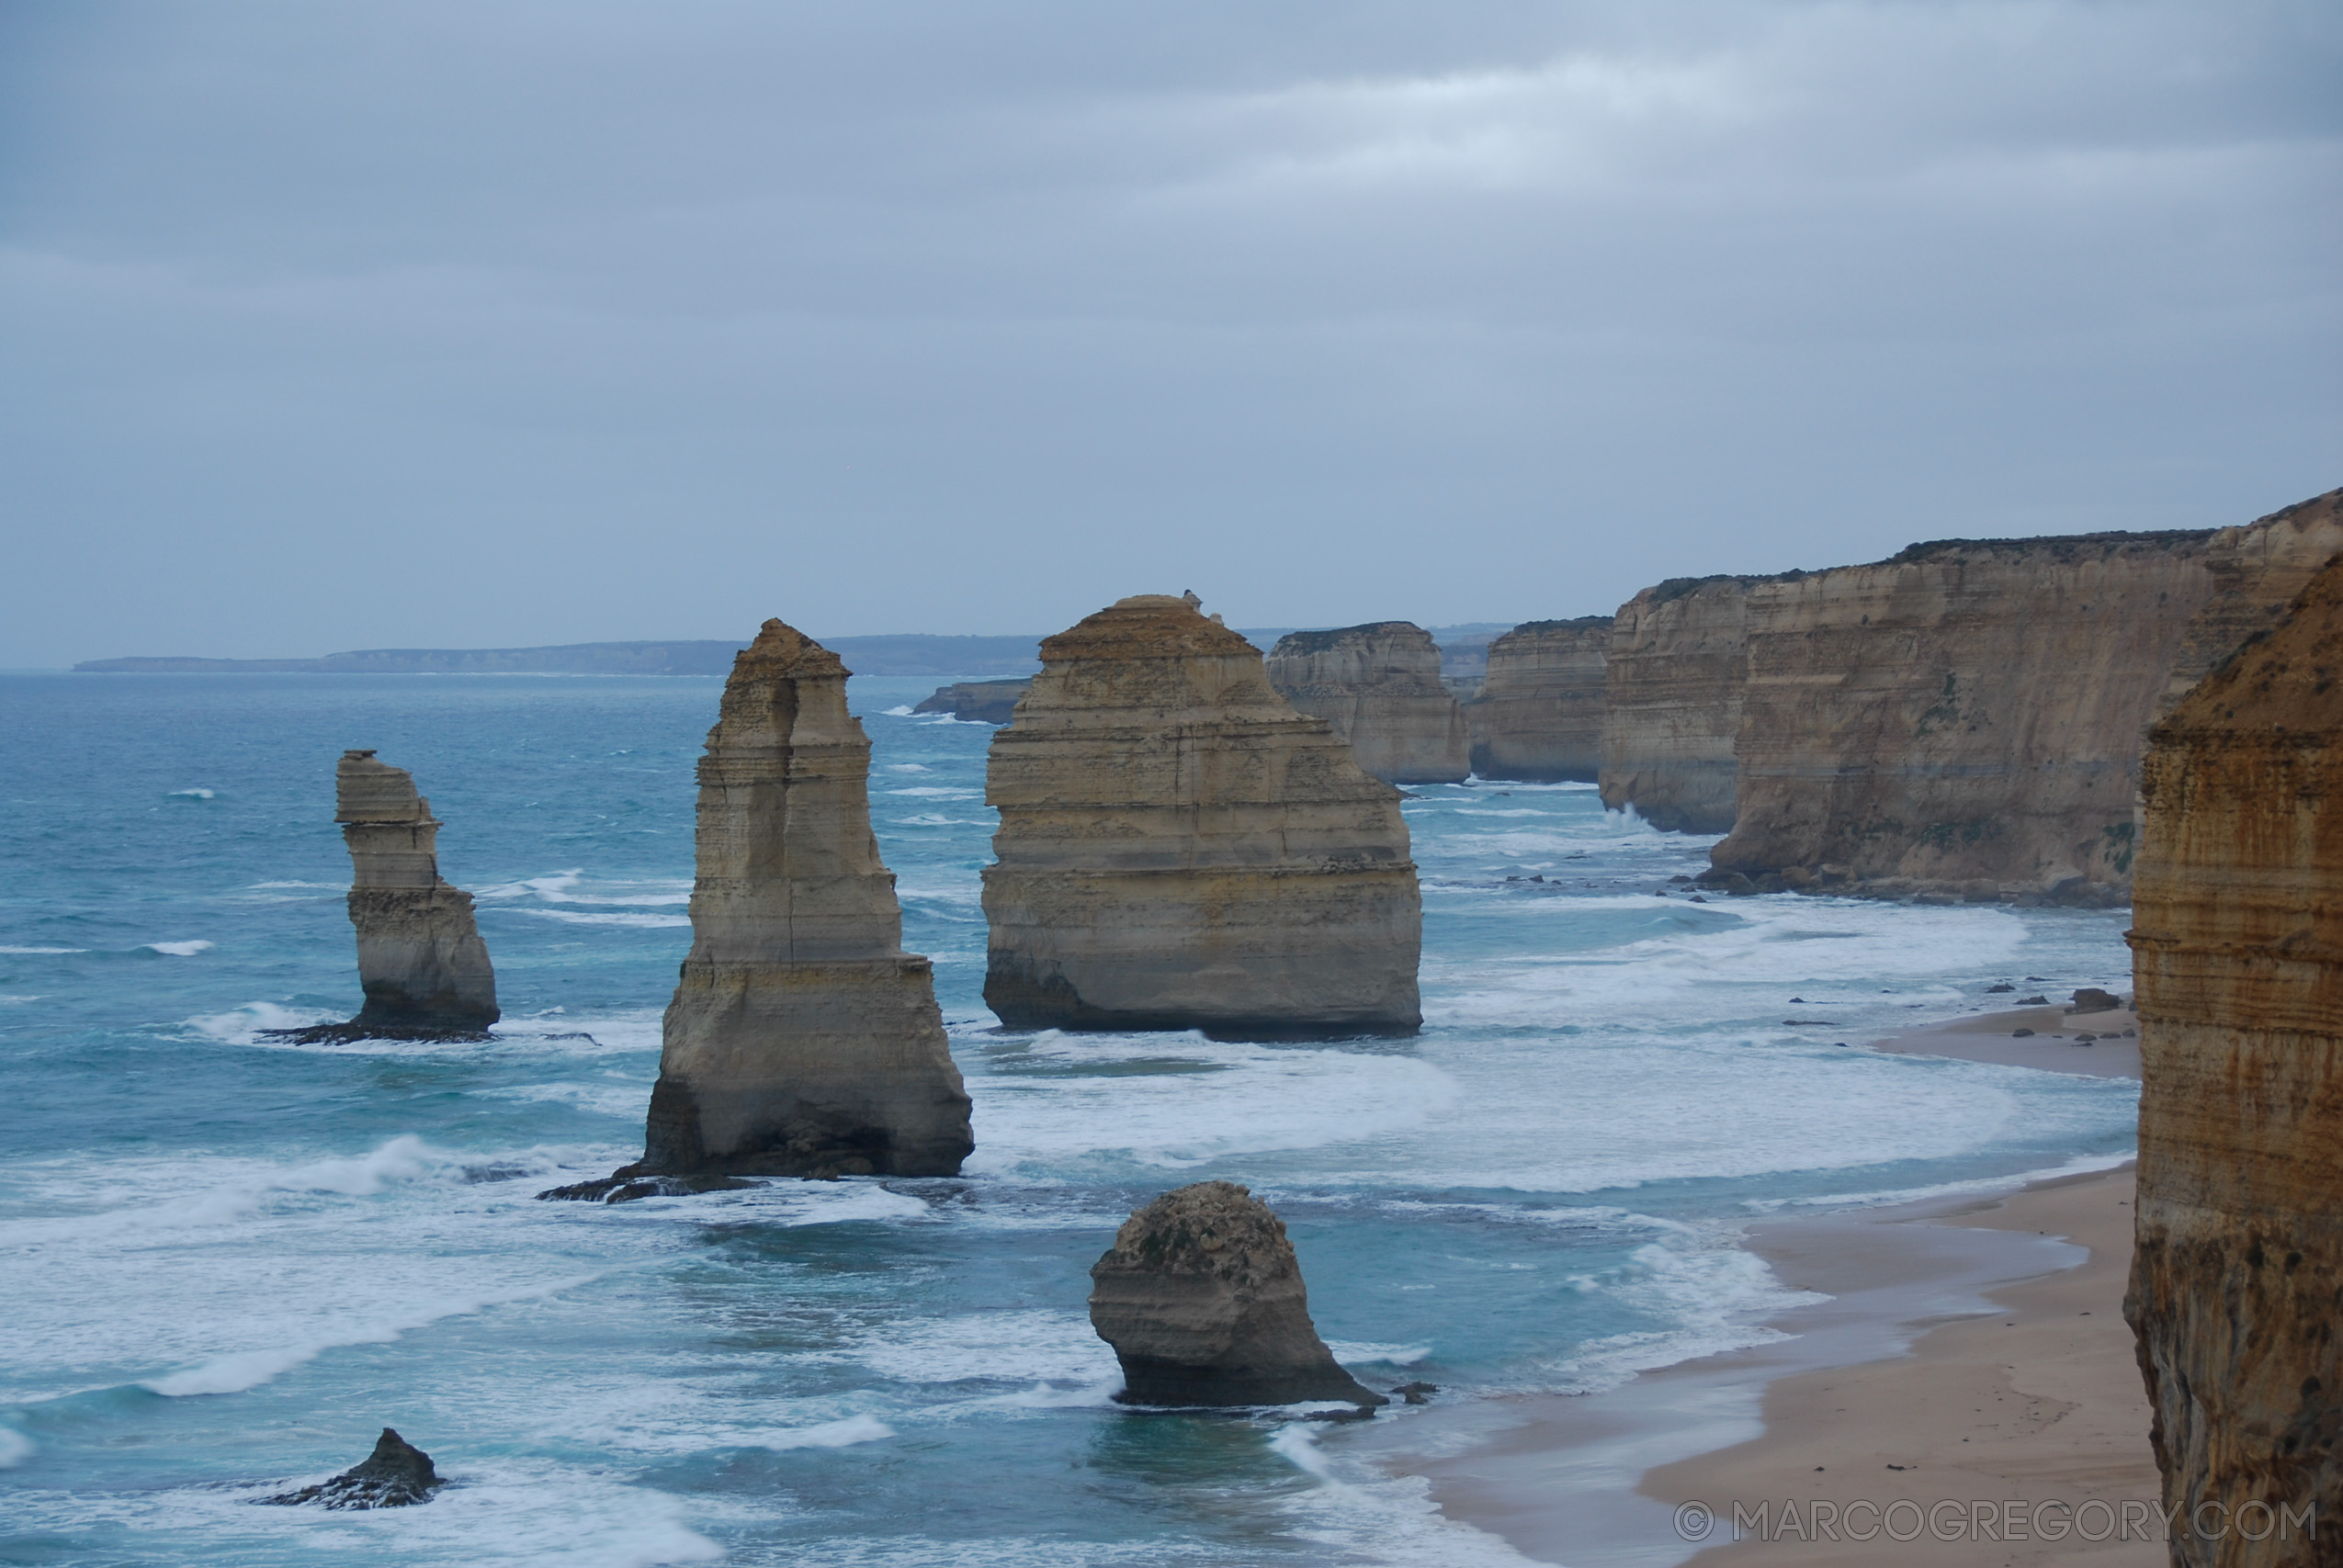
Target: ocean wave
[
  {"x": 190, "y": 795},
  {"x": 607, "y": 917},
  {"x": 900, "y": 710},
  {"x": 15, "y": 1448},
  {"x": 244, "y": 1025},
  {"x": 550, "y": 885},
  {"x": 32, "y": 951},
  {"x": 937, "y": 792},
  {"x": 177, "y": 949}
]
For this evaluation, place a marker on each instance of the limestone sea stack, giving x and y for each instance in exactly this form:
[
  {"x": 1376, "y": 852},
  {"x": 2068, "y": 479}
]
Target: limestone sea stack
[
  {"x": 1379, "y": 686},
  {"x": 2237, "y": 951},
  {"x": 420, "y": 961},
  {"x": 1538, "y": 714},
  {"x": 1178, "y": 849},
  {"x": 1960, "y": 720},
  {"x": 1673, "y": 675},
  {"x": 1201, "y": 1298},
  {"x": 802, "y": 1039}
]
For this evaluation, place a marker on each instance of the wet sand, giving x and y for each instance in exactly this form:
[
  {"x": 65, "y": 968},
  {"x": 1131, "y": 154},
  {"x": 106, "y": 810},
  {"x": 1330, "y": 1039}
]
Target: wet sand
[{"x": 1978, "y": 1344}]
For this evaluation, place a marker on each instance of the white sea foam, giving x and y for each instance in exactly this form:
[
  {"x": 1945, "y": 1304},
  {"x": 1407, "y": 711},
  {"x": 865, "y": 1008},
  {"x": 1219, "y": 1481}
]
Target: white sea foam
[
  {"x": 550, "y": 885},
  {"x": 11, "y": 999},
  {"x": 607, "y": 918},
  {"x": 1026, "y": 1346},
  {"x": 29, "y": 952},
  {"x": 828, "y": 1435},
  {"x": 937, "y": 792},
  {"x": 900, "y": 710},
  {"x": 178, "y": 949},
  {"x": 1360, "y": 1353},
  {"x": 244, "y": 1025},
  {"x": 15, "y": 1448},
  {"x": 193, "y": 794},
  {"x": 905, "y": 768}
]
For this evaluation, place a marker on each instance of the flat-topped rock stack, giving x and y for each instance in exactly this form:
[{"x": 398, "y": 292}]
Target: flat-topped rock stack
[
  {"x": 1379, "y": 686},
  {"x": 422, "y": 963},
  {"x": 1673, "y": 675},
  {"x": 2237, "y": 950},
  {"x": 802, "y": 1039},
  {"x": 1201, "y": 1298},
  {"x": 1178, "y": 849},
  {"x": 1538, "y": 715},
  {"x": 1963, "y": 719}
]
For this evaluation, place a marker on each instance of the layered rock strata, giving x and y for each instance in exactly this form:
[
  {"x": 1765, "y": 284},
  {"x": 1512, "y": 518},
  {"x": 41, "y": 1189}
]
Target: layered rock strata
[
  {"x": 1538, "y": 714},
  {"x": 1178, "y": 849},
  {"x": 2256, "y": 569},
  {"x": 1201, "y": 1298},
  {"x": 1963, "y": 719},
  {"x": 978, "y": 702},
  {"x": 1379, "y": 686},
  {"x": 2237, "y": 949},
  {"x": 802, "y": 1039},
  {"x": 1673, "y": 674},
  {"x": 422, "y": 963}
]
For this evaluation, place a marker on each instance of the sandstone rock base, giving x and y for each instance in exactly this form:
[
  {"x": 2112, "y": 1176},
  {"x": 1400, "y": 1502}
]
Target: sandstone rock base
[{"x": 1201, "y": 1298}]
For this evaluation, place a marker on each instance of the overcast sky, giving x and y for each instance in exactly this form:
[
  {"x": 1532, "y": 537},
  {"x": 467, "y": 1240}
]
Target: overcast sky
[{"x": 473, "y": 325}]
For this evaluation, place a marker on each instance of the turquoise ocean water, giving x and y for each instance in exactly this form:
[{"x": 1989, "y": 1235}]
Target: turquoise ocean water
[{"x": 228, "y": 1263}]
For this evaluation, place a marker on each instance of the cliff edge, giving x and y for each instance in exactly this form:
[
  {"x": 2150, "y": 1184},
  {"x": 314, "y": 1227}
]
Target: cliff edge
[
  {"x": 1676, "y": 667},
  {"x": 2238, "y": 950},
  {"x": 1379, "y": 685},
  {"x": 1538, "y": 714}
]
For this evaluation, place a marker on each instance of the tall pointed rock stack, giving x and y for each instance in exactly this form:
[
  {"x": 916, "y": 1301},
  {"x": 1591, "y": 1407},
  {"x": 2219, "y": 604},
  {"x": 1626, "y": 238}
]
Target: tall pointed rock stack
[
  {"x": 2238, "y": 952},
  {"x": 1178, "y": 849},
  {"x": 802, "y": 1040},
  {"x": 421, "y": 961}
]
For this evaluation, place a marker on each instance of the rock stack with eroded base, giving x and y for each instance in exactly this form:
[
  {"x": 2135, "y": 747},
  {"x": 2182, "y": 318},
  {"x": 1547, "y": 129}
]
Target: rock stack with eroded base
[
  {"x": 421, "y": 961},
  {"x": 802, "y": 1039},
  {"x": 1538, "y": 714},
  {"x": 1201, "y": 1298},
  {"x": 1379, "y": 686},
  {"x": 2237, "y": 1289},
  {"x": 1178, "y": 849}
]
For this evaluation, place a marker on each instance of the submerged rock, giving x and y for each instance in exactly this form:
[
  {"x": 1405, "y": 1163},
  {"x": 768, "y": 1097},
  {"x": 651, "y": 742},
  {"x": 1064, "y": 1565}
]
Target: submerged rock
[
  {"x": 2237, "y": 951},
  {"x": 979, "y": 701},
  {"x": 1379, "y": 686},
  {"x": 1201, "y": 1298},
  {"x": 395, "y": 1476},
  {"x": 1178, "y": 849},
  {"x": 1538, "y": 714},
  {"x": 420, "y": 961},
  {"x": 802, "y": 1039}
]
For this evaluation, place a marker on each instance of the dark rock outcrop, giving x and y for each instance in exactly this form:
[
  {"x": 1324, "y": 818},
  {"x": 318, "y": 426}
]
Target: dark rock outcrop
[
  {"x": 394, "y": 1476},
  {"x": 2237, "y": 1288},
  {"x": 1379, "y": 685},
  {"x": 420, "y": 961},
  {"x": 1201, "y": 1298},
  {"x": 1538, "y": 714},
  {"x": 980, "y": 701},
  {"x": 802, "y": 1039},
  {"x": 1178, "y": 849}
]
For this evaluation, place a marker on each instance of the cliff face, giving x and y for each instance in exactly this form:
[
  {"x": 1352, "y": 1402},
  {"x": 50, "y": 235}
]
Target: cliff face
[
  {"x": 1179, "y": 849},
  {"x": 421, "y": 961},
  {"x": 1202, "y": 1297},
  {"x": 1379, "y": 686},
  {"x": 2256, "y": 569},
  {"x": 1539, "y": 712},
  {"x": 1679, "y": 662},
  {"x": 1965, "y": 716},
  {"x": 2238, "y": 956},
  {"x": 802, "y": 1039},
  {"x": 982, "y": 701}
]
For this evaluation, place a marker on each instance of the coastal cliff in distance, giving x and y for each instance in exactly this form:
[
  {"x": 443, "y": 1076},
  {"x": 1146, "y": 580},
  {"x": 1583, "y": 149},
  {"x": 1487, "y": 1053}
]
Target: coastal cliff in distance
[
  {"x": 1178, "y": 849},
  {"x": 1538, "y": 714},
  {"x": 2257, "y": 568},
  {"x": 422, "y": 963},
  {"x": 976, "y": 702},
  {"x": 1963, "y": 719},
  {"x": 802, "y": 1039},
  {"x": 1678, "y": 663},
  {"x": 2237, "y": 950},
  {"x": 1379, "y": 686}
]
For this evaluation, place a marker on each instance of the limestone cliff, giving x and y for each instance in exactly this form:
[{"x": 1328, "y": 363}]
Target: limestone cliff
[
  {"x": 1179, "y": 849},
  {"x": 1379, "y": 686},
  {"x": 2238, "y": 959},
  {"x": 1678, "y": 663},
  {"x": 1538, "y": 714},
  {"x": 978, "y": 702},
  {"x": 2256, "y": 569},
  {"x": 421, "y": 961},
  {"x": 1202, "y": 1297},
  {"x": 802, "y": 1039},
  {"x": 1962, "y": 717}
]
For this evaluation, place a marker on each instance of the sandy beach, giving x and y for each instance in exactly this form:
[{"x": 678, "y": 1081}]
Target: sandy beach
[{"x": 1967, "y": 1388}]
